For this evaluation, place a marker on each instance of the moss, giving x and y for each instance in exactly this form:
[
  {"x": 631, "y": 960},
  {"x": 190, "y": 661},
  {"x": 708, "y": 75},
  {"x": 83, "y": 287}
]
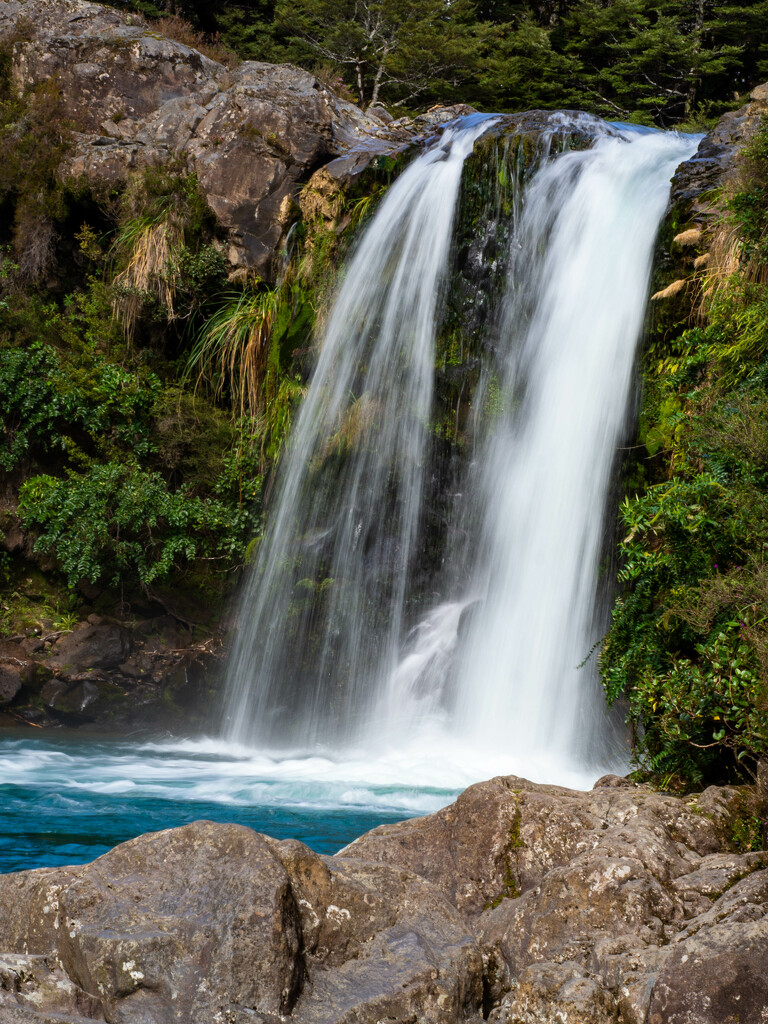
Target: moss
[
  {"x": 746, "y": 833},
  {"x": 35, "y": 603},
  {"x": 511, "y": 878}
]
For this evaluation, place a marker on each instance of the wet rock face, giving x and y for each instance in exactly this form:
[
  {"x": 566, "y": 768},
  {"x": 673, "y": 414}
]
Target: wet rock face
[
  {"x": 716, "y": 156},
  {"x": 521, "y": 904},
  {"x": 113, "y": 673}
]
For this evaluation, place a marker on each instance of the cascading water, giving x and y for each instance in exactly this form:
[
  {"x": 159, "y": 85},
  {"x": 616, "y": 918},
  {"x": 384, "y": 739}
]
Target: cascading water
[
  {"x": 488, "y": 682},
  {"x": 347, "y": 713},
  {"x": 573, "y": 312},
  {"x": 324, "y": 608}
]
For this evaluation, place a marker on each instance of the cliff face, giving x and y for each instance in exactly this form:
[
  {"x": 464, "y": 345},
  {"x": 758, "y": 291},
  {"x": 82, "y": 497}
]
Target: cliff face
[
  {"x": 254, "y": 134},
  {"x": 520, "y": 904}
]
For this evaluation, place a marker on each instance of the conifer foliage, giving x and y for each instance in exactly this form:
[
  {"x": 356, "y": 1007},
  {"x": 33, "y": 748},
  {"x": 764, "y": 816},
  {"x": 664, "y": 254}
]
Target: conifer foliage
[{"x": 657, "y": 61}]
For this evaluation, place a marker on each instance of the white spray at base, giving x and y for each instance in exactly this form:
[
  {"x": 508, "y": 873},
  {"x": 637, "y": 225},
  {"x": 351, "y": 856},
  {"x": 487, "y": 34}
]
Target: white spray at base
[{"x": 504, "y": 693}]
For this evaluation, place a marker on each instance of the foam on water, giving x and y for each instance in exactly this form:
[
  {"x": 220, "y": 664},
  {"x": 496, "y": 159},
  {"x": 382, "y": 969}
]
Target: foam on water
[{"x": 88, "y": 794}]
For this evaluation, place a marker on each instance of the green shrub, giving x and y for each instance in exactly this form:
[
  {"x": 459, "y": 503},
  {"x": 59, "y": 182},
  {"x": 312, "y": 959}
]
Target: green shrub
[
  {"x": 119, "y": 524},
  {"x": 49, "y": 405}
]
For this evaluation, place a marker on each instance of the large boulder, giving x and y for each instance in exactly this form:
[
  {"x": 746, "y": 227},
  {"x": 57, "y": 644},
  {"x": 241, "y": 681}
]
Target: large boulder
[
  {"x": 591, "y": 906},
  {"x": 91, "y": 646},
  {"x": 508, "y": 834},
  {"x": 253, "y": 134},
  {"x": 160, "y": 927},
  {"x": 215, "y": 923},
  {"x": 17, "y": 669}
]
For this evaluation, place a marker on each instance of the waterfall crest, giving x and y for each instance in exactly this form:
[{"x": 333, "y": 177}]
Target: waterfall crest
[{"x": 488, "y": 681}]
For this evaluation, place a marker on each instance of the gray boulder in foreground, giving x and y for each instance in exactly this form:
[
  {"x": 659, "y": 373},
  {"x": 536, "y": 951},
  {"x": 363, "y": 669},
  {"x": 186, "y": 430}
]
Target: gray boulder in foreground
[{"x": 519, "y": 903}]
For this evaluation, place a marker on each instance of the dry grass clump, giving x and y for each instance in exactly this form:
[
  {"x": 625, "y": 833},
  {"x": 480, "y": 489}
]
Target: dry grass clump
[
  {"x": 180, "y": 31},
  {"x": 724, "y": 256},
  {"x": 149, "y": 272},
  {"x": 724, "y": 261},
  {"x": 690, "y": 237},
  {"x": 670, "y": 291}
]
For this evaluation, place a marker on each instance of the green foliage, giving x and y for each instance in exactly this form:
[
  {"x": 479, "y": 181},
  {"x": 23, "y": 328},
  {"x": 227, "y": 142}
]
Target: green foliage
[
  {"x": 397, "y": 48},
  {"x": 688, "y": 642},
  {"x": 647, "y": 59},
  {"x": 118, "y": 523},
  {"x": 34, "y": 136},
  {"x": 49, "y": 405}
]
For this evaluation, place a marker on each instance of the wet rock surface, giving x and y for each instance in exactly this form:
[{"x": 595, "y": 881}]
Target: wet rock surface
[
  {"x": 520, "y": 904},
  {"x": 110, "y": 673},
  {"x": 715, "y": 158}
]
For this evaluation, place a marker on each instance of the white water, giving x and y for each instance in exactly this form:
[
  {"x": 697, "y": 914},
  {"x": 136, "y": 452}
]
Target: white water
[
  {"x": 573, "y": 313},
  {"x": 217, "y": 772},
  {"x": 504, "y": 694},
  {"x": 323, "y": 613}
]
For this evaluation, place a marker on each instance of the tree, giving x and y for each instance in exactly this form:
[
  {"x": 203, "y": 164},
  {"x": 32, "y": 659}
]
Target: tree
[
  {"x": 403, "y": 47},
  {"x": 522, "y": 70},
  {"x": 641, "y": 57}
]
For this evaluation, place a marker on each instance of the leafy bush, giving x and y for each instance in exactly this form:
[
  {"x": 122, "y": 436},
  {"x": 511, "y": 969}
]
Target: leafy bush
[
  {"x": 118, "y": 523},
  {"x": 688, "y": 641},
  {"x": 47, "y": 405}
]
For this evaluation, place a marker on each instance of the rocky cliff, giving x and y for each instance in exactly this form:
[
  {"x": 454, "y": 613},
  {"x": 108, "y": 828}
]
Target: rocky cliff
[
  {"x": 519, "y": 904},
  {"x": 253, "y": 134}
]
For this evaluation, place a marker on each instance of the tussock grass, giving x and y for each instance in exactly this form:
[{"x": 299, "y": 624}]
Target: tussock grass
[
  {"x": 230, "y": 352},
  {"x": 149, "y": 273},
  {"x": 690, "y": 237},
  {"x": 670, "y": 291}
]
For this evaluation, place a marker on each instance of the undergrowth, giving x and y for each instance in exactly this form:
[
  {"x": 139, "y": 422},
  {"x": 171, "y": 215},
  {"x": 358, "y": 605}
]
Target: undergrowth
[{"x": 688, "y": 642}]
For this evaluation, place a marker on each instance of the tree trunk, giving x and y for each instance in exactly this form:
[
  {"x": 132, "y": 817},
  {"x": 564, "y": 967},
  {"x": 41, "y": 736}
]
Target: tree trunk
[
  {"x": 694, "y": 81},
  {"x": 377, "y": 84},
  {"x": 360, "y": 94}
]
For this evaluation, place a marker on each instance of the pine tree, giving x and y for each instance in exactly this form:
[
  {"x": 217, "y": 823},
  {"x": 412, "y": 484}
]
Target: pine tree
[
  {"x": 646, "y": 60},
  {"x": 398, "y": 48}
]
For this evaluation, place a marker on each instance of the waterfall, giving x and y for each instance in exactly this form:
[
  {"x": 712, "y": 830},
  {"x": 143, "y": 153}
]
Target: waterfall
[
  {"x": 324, "y": 608},
  {"x": 573, "y": 312},
  {"x": 488, "y": 681}
]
